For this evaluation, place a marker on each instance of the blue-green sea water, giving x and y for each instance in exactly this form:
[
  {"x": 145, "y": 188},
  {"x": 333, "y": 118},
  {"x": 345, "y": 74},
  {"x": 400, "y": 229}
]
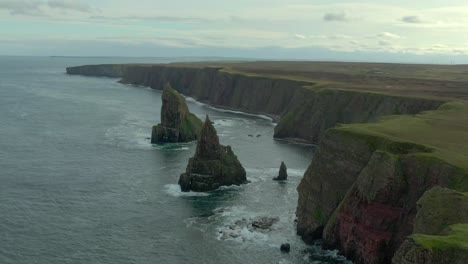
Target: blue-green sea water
[{"x": 81, "y": 183}]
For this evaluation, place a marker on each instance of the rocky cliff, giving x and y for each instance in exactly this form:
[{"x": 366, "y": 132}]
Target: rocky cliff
[
  {"x": 361, "y": 191},
  {"x": 213, "y": 164},
  {"x": 438, "y": 236},
  {"x": 177, "y": 123},
  {"x": 303, "y": 110}
]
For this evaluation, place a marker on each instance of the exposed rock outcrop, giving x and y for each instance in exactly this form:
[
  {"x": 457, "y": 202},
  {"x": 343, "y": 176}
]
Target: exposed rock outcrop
[
  {"x": 360, "y": 193},
  {"x": 213, "y": 164},
  {"x": 177, "y": 123},
  {"x": 283, "y": 173},
  {"x": 241, "y": 228}
]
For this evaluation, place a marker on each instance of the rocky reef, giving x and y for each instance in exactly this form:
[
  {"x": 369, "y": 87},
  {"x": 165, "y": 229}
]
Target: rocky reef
[
  {"x": 177, "y": 123},
  {"x": 213, "y": 164},
  {"x": 282, "y": 174}
]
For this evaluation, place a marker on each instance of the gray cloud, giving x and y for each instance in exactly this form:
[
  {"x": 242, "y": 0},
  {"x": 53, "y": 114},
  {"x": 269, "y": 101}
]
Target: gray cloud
[
  {"x": 35, "y": 7},
  {"x": 412, "y": 19},
  {"x": 188, "y": 20},
  {"x": 70, "y": 5},
  {"x": 340, "y": 17},
  {"x": 21, "y": 7},
  {"x": 384, "y": 43}
]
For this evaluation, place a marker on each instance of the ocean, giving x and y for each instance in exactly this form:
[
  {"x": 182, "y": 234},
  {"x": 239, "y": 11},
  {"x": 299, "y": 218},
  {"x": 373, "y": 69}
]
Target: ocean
[{"x": 81, "y": 183}]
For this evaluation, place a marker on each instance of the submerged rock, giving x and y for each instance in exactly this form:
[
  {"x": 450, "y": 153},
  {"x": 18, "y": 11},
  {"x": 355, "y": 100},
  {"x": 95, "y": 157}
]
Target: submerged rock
[
  {"x": 243, "y": 228},
  {"x": 283, "y": 173},
  {"x": 177, "y": 123},
  {"x": 264, "y": 222},
  {"x": 213, "y": 164},
  {"x": 285, "y": 247}
]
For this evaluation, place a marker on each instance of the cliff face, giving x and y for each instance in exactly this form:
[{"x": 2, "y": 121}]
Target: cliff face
[
  {"x": 438, "y": 239},
  {"x": 360, "y": 193},
  {"x": 218, "y": 88},
  {"x": 304, "y": 112},
  {"x": 177, "y": 123},
  {"x": 212, "y": 166},
  {"x": 313, "y": 111}
]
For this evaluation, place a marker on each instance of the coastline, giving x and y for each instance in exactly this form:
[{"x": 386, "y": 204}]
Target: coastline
[{"x": 372, "y": 148}]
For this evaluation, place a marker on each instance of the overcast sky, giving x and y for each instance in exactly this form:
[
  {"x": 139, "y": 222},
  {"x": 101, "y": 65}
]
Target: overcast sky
[{"x": 397, "y": 30}]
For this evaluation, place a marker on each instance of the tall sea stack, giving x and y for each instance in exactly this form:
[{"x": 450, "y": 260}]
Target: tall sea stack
[
  {"x": 213, "y": 164},
  {"x": 177, "y": 123}
]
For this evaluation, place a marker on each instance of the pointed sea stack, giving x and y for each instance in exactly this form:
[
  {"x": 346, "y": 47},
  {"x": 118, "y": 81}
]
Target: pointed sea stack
[
  {"x": 213, "y": 165},
  {"x": 283, "y": 173},
  {"x": 177, "y": 123}
]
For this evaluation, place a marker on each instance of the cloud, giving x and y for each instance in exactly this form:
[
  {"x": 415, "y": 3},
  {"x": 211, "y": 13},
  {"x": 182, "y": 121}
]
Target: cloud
[
  {"x": 340, "y": 17},
  {"x": 155, "y": 18},
  {"x": 21, "y": 7},
  {"x": 339, "y": 36},
  {"x": 299, "y": 36},
  {"x": 384, "y": 43},
  {"x": 70, "y": 5},
  {"x": 388, "y": 35},
  {"x": 412, "y": 19}
]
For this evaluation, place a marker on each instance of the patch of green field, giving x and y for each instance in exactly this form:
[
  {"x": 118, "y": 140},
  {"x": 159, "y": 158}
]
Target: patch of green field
[
  {"x": 456, "y": 239},
  {"x": 444, "y": 130}
]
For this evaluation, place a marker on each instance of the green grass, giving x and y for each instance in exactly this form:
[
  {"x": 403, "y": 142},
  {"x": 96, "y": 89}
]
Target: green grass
[
  {"x": 445, "y": 131},
  {"x": 190, "y": 127},
  {"x": 456, "y": 239}
]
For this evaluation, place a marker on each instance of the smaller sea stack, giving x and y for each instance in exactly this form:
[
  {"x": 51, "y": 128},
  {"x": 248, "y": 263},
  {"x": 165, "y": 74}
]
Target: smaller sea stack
[
  {"x": 177, "y": 123},
  {"x": 283, "y": 173},
  {"x": 213, "y": 164}
]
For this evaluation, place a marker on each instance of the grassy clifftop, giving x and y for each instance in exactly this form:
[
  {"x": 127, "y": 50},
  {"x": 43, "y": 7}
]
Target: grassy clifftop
[{"x": 444, "y": 130}]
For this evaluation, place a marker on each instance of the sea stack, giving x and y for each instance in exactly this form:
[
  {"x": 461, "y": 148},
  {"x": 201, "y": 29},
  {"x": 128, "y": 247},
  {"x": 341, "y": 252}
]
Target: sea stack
[
  {"x": 213, "y": 164},
  {"x": 177, "y": 123},
  {"x": 283, "y": 173}
]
